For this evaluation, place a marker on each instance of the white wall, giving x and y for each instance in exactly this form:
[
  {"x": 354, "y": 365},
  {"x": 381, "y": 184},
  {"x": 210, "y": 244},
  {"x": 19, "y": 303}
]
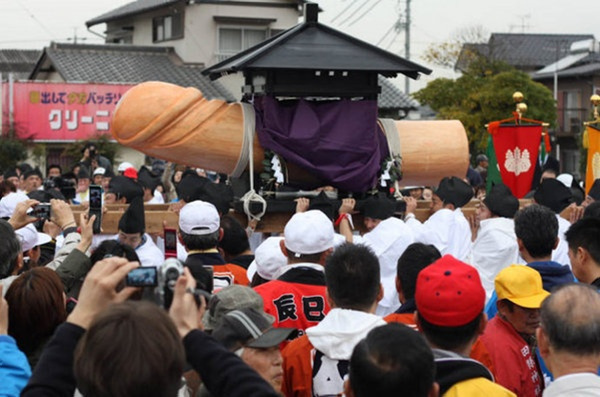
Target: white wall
[{"x": 199, "y": 42}]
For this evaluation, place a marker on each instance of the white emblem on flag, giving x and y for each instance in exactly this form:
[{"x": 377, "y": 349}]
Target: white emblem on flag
[
  {"x": 517, "y": 161},
  {"x": 596, "y": 165}
]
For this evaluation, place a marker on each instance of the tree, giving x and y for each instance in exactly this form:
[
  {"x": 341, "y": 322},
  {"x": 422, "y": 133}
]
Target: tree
[
  {"x": 447, "y": 54},
  {"x": 484, "y": 94},
  {"x": 12, "y": 151}
]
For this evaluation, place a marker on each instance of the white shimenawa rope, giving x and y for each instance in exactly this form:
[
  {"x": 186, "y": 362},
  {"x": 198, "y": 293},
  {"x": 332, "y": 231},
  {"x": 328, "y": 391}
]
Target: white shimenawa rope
[
  {"x": 247, "y": 158},
  {"x": 393, "y": 141}
]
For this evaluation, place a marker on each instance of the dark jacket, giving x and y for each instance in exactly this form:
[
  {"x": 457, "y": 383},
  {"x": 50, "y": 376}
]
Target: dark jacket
[
  {"x": 224, "y": 373},
  {"x": 553, "y": 273}
]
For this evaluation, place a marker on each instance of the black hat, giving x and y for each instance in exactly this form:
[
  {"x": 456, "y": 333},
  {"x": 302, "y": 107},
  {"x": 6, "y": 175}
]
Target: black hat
[
  {"x": 251, "y": 328},
  {"x": 594, "y": 190},
  {"x": 194, "y": 187},
  {"x": 323, "y": 204},
  {"x": 553, "y": 194},
  {"x": 501, "y": 202},
  {"x": 10, "y": 173},
  {"x": 24, "y": 167},
  {"x": 35, "y": 171},
  {"x": 551, "y": 164},
  {"x": 148, "y": 179},
  {"x": 133, "y": 220},
  {"x": 378, "y": 206},
  {"x": 453, "y": 190},
  {"x": 122, "y": 186}
]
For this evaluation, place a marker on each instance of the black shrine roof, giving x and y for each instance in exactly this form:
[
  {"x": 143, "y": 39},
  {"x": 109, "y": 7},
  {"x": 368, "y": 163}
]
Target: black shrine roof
[{"x": 313, "y": 46}]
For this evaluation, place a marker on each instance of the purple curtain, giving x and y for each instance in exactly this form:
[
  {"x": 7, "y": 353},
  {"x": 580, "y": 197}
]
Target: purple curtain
[{"x": 338, "y": 141}]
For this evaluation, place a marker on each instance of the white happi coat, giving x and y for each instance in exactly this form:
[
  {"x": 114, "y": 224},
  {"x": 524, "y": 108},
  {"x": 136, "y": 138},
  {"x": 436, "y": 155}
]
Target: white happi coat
[
  {"x": 447, "y": 230},
  {"x": 494, "y": 249},
  {"x": 388, "y": 240},
  {"x": 561, "y": 253}
]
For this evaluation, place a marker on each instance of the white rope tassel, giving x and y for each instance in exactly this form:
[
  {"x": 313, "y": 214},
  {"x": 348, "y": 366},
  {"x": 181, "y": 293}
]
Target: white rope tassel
[
  {"x": 393, "y": 141},
  {"x": 247, "y": 156}
]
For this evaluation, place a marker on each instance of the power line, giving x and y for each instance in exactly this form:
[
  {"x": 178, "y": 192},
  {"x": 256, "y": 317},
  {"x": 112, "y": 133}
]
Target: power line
[
  {"x": 343, "y": 11},
  {"x": 365, "y": 13},
  {"x": 35, "y": 19},
  {"x": 360, "y": 7},
  {"x": 385, "y": 35}
]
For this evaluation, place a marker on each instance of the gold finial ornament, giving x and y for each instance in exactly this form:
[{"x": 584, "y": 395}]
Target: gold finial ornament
[
  {"x": 595, "y": 99},
  {"x": 521, "y": 106},
  {"x": 518, "y": 96}
]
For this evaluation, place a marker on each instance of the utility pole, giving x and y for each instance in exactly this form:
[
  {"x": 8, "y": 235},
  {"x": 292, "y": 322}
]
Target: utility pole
[{"x": 407, "y": 44}]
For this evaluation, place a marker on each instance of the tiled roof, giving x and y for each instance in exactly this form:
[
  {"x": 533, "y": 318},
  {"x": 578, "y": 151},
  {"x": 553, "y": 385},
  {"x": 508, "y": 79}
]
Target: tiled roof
[
  {"x": 18, "y": 62},
  {"x": 141, "y": 6},
  {"x": 391, "y": 97},
  {"x": 129, "y": 9},
  {"x": 117, "y": 63},
  {"x": 522, "y": 50},
  {"x": 534, "y": 49}
]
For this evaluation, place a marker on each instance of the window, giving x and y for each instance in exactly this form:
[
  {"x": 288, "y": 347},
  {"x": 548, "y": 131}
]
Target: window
[
  {"x": 571, "y": 111},
  {"x": 167, "y": 27},
  {"x": 233, "y": 40}
]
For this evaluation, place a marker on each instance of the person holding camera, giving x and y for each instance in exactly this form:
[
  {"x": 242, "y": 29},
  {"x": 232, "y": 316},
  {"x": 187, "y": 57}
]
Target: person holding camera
[
  {"x": 142, "y": 341},
  {"x": 92, "y": 159}
]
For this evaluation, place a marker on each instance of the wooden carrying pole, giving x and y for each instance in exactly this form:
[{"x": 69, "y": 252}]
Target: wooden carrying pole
[{"x": 156, "y": 214}]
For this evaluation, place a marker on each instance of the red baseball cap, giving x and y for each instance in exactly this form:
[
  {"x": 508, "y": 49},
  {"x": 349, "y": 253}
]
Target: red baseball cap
[
  {"x": 131, "y": 173},
  {"x": 449, "y": 293}
]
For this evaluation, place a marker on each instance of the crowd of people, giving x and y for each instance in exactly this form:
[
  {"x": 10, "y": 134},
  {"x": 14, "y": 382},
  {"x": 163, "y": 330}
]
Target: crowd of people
[{"x": 501, "y": 303}]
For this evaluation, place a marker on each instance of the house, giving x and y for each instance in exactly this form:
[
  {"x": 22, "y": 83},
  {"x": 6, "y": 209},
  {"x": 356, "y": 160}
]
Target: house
[
  {"x": 18, "y": 63},
  {"x": 524, "y": 51},
  {"x": 577, "y": 77},
  {"x": 110, "y": 64},
  {"x": 572, "y": 58},
  {"x": 201, "y": 32},
  {"x": 205, "y": 32}
]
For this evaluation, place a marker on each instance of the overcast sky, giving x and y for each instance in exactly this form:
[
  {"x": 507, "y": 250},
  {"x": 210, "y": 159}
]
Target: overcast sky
[{"x": 33, "y": 24}]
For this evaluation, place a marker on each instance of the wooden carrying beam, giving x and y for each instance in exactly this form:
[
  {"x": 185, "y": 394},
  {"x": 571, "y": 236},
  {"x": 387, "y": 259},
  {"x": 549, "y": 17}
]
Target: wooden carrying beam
[{"x": 157, "y": 214}]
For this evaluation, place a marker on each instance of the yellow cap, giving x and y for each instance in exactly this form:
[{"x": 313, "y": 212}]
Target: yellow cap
[{"x": 521, "y": 285}]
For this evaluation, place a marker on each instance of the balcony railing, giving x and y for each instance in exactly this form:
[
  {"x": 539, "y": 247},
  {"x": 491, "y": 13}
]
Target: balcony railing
[{"x": 221, "y": 56}]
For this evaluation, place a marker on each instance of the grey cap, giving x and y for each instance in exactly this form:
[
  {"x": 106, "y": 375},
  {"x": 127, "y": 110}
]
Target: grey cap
[
  {"x": 249, "y": 328},
  {"x": 228, "y": 299}
]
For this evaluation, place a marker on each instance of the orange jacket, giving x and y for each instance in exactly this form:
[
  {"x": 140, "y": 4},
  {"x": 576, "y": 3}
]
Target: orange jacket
[{"x": 297, "y": 368}]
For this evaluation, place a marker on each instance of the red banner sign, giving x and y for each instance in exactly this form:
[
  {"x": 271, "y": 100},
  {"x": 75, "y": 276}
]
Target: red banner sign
[
  {"x": 62, "y": 111},
  {"x": 517, "y": 148}
]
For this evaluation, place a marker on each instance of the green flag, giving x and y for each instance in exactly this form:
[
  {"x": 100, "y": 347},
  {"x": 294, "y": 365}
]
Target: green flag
[{"x": 493, "y": 172}]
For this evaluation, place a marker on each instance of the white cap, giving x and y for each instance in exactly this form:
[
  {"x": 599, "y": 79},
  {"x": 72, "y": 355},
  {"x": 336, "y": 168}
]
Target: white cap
[
  {"x": 99, "y": 171},
  {"x": 123, "y": 166},
  {"x": 199, "y": 218},
  {"x": 308, "y": 233},
  {"x": 9, "y": 203},
  {"x": 30, "y": 237},
  {"x": 268, "y": 259},
  {"x": 566, "y": 179}
]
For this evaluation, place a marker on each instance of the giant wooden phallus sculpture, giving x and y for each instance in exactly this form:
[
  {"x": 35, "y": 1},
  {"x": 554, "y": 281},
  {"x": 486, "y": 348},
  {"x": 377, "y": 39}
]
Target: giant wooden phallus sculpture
[{"x": 178, "y": 124}]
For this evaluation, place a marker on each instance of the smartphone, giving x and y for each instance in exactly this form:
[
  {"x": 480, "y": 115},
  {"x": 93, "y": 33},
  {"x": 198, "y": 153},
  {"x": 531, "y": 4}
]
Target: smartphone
[
  {"x": 143, "y": 276},
  {"x": 96, "y": 207},
  {"x": 42, "y": 211},
  {"x": 170, "y": 243}
]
